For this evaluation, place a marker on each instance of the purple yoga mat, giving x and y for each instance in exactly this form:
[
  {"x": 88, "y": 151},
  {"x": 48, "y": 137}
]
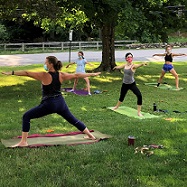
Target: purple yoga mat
[{"x": 77, "y": 92}]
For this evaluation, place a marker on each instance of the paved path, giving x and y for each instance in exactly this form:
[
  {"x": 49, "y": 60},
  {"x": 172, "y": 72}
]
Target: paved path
[{"x": 91, "y": 56}]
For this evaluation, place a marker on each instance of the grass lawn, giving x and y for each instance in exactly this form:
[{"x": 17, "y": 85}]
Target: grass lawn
[{"x": 110, "y": 163}]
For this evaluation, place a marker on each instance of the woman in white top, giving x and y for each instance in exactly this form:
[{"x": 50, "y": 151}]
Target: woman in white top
[{"x": 81, "y": 62}]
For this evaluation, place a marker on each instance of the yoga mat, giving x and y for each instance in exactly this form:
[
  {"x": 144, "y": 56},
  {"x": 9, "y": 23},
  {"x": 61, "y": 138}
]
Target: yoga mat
[
  {"x": 131, "y": 112},
  {"x": 164, "y": 86},
  {"x": 73, "y": 138},
  {"x": 77, "y": 92}
]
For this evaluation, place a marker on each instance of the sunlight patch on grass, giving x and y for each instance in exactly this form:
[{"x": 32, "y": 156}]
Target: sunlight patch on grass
[
  {"x": 142, "y": 78},
  {"x": 21, "y": 109},
  {"x": 168, "y": 150},
  {"x": 56, "y": 116},
  {"x": 83, "y": 108},
  {"x": 10, "y": 81},
  {"x": 151, "y": 181},
  {"x": 106, "y": 78},
  {"x": 176, "y": 119},
  {"x": 184, "y": 79}
]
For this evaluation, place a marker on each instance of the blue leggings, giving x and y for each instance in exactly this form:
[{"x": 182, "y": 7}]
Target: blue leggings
[
  {"x": 134, "y": 89},
  {"x": 49, "y": 106}
]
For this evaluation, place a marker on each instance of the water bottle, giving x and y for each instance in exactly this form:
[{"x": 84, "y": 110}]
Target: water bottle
[{"x": 154, "y": 107}]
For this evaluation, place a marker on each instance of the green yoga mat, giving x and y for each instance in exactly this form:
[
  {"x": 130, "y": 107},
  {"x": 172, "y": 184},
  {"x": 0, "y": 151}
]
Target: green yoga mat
[
  {"x": 131, "y": 112},
  {"x": 70, "y": 139},
  {"x": 164, "y": 86}
]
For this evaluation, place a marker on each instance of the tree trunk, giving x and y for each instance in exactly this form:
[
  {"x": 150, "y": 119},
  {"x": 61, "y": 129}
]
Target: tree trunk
[{"x": 108, "y": 50}]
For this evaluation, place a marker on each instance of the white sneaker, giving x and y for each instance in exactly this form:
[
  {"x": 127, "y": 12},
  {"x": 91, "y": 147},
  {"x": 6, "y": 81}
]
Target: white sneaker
[
  {"x": 89, "y": 94},
  {"x": 72, "y": 90}
]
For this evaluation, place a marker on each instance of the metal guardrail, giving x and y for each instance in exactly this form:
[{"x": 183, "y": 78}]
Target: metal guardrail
[{"x": 44, "y": 46}]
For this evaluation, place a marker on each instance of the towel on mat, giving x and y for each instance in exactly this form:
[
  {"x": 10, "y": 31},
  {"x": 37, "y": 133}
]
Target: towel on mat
[{"x": 73, "y": 138}]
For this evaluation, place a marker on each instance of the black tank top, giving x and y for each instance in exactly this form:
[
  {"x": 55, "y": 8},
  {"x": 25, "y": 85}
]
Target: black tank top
[
  {"x": 168, "y": 58},
  {"x": 53, "y": 89}
]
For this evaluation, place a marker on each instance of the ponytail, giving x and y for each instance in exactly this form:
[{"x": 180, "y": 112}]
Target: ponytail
[{"x": 57, "y": 64}]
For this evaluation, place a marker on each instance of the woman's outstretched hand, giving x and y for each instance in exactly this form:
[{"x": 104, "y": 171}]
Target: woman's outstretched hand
[
  {"x": 96, "y": 74},
  {"x": 145, "y": 63}
]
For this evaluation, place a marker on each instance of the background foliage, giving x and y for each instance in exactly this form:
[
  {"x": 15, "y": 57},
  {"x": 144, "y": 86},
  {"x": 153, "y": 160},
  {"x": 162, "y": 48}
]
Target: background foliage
[{"x": 51, "y": 20}]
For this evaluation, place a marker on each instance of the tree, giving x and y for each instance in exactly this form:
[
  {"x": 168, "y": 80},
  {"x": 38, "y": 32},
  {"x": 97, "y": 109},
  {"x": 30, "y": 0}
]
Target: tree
[
  {"x": 3, "y": 33},
  {"x": 104, "y": 14},
  {"x": 148, "y": 20}
]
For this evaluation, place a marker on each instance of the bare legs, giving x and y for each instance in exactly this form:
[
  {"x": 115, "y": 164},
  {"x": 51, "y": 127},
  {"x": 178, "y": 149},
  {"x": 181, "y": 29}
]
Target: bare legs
[
  {"x": 139, "y": 110},
  {"x": 75, "y": 84},
  {"x": 161, "y": 77},
  {"x": 174, "y": 73},
  {"x": 87, "y": 84},
  {"x": 117, "y": 105}
]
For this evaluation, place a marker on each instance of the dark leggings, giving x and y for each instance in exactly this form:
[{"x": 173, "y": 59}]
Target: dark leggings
[
  {"x": 49, "y": 106},
  {"x": 134, "y": 89}
]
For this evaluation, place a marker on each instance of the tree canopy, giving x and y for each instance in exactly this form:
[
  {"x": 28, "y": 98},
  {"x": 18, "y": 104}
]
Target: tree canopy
[{"x": 144, "y": 20}]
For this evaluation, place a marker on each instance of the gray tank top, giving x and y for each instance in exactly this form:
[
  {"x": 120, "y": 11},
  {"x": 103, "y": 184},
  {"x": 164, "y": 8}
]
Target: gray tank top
[{"x": 128, "y": 76}]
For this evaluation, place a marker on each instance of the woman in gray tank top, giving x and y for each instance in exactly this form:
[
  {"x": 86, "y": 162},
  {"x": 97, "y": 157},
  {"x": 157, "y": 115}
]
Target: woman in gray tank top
[{"x": 129, "y": 82}]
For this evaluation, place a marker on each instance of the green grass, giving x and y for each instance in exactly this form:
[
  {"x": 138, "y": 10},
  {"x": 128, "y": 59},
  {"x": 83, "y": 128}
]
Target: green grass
[
  {"x": 181, "y": 39},
  {"x": 110, "y": 163}
]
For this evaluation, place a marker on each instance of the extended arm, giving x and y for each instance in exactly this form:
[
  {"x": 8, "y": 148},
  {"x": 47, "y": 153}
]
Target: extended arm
[
  {"x": 159, "y": 54},
  {"x": 68, "y": 76},
  {"x": 34, "y": 75},
  {"x": 179, "y": 54},
  {"x": 136, "y": 66},
  {"x": 70, "y": 64},
  {"x": 119, "y": 67}
]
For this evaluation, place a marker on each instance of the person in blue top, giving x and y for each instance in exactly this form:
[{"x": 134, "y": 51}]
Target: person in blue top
[
  {"x": 129, "y": 81},
  {"x": 168, "y": 66},
  {"x": 52, "y": 99},
  {"x": 81, "y": 62}
]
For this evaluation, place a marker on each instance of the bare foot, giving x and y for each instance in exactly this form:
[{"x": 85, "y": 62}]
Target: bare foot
[
  {"x": 139, "y": 114},
  {"x": 20, "y": 144},
  {"x": 115, "y": 108},
  {"x": 89, "y": 138}
]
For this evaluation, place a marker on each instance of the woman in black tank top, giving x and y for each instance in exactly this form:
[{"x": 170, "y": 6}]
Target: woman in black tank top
[
  {"x": 168, "y": 66},
  {"x": 52, "y": 100}
]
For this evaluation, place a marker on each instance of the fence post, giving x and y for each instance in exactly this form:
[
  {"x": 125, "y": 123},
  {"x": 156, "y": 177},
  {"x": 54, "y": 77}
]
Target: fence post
[
  {"x": 43, "y": 46},
  {"x": 79, "y": 45},
  {"x": 97, "y": 45},
  {"x": 23, "y": 47},
  {"x": 62, "y": 46},
  {"x": 5, "y": 47}
]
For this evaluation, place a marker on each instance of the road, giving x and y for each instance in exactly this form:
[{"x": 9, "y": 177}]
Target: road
[{"x": 91, "y": 56}]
